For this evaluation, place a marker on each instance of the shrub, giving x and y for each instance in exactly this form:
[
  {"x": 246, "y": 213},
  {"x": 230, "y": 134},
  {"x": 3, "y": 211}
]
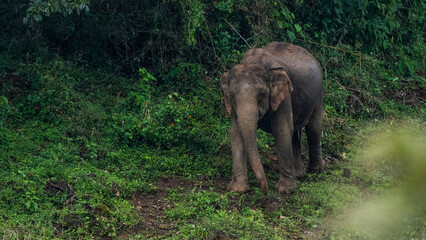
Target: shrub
[{"x": 171, "y": 120}]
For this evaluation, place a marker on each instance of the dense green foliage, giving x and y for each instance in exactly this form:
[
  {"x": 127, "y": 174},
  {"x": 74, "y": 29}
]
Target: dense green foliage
[{"x": 101, "y": 100}]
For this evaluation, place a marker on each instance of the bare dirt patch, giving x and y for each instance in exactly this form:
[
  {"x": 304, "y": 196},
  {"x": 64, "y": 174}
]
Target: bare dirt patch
[{"x": 151, "y": 207}]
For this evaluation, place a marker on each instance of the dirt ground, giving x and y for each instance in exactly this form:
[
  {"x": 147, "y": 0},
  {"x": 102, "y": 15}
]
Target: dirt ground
[{"x": 151, "y": 207}]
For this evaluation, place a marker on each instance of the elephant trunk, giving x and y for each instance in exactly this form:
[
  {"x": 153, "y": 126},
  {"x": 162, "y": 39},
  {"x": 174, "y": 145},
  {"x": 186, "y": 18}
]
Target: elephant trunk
[{"x": 247, "y": 121}]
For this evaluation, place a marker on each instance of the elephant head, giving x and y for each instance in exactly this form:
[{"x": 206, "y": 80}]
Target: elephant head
[{"x": 250, "y": 91}]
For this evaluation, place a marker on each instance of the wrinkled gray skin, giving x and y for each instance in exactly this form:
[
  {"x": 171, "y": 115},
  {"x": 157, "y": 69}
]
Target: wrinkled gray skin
[{"x": 277, "y": 88}]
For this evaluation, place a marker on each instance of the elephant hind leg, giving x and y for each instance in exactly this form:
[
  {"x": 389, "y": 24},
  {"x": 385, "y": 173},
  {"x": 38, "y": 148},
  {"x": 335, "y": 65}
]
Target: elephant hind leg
[
  {"x": 299, "y": 167},
  {"x": 313, "y": 132}
]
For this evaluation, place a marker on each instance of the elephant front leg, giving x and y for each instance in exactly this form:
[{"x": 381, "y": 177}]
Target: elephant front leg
[
  {"x": 239, "y": 182},
  {"x": 283, "y": 132}
]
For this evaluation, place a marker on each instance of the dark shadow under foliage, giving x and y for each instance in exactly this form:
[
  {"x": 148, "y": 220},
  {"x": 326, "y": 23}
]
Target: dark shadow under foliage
[{"x": 126, "y": 35}]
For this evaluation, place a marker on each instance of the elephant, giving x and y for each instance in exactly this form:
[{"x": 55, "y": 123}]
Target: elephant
[{"x": 277, "y": 88}]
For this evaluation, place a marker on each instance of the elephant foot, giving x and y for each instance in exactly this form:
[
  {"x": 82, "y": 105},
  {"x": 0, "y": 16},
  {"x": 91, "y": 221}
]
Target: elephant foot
[
  {"x": 238, "y": 186},
  {"x": 317, "y": 168},
  {"x": 300, "y": 174},
  {"x": 285, "y": 186}
]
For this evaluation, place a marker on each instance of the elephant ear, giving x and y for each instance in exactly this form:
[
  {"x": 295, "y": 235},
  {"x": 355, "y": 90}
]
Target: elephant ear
[
  {"x": 224, "y": 85},
  {"x": 280, "y": 87}
]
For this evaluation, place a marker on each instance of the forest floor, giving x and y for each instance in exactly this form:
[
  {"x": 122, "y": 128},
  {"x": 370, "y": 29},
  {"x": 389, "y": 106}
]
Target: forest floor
[
  {"x": 325, "y": 206},
  {"x": 148, "y": 195}
]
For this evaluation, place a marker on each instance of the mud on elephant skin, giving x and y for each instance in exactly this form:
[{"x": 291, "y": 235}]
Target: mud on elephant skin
[{"x": 277, "y": 88}]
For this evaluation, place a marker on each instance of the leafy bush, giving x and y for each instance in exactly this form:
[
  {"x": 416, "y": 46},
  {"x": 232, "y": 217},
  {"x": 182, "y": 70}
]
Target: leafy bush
[{"x": 173, "y": 120}]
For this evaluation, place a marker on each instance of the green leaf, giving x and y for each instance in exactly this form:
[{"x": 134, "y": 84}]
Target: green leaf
[
  {"x": 38, "y": 17},
  {"x": 276, "y": 13},
  {"x": 291, "y": 36},
  {"x": 297, "y": 27},
  {"x": 360, "y": 3}
]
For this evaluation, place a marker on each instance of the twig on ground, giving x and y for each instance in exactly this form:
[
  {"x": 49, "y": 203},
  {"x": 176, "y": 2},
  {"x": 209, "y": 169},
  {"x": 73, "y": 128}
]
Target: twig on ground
[{"x": 69, "y": 200}]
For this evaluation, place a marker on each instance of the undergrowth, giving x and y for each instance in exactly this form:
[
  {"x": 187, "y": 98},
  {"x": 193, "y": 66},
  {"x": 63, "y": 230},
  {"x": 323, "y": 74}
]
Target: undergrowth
[{"x": 76, "y": 147}]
